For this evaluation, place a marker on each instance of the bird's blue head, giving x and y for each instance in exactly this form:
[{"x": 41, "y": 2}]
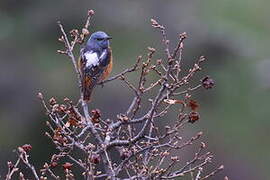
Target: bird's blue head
[{"x": 98, "y": 40}]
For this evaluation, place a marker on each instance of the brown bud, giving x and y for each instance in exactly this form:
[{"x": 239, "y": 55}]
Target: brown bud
[
  {"x": 74, "y": 32},
  {"x": 91, "y": 12},
  {"x": 173, "y": 101},
  {"x": 96, "y": 114},
  {"x": 52, "y": 101},
  {"x": 46, "y": 166},
  {"x": 182, "y": 45},
  {"x": 85, "y": 31},
  {"x": 124, "y": 153},
  {"x": 153, "y": 67},
  {"x": 207, "y": 82},
  {"x": 26, "y": 147},
  {"x": 183, "y": 35},
  {"x": 122, "y": 77},
  {"x": 197, "y": 67},
  {"x": 40, "y": 95},
  {"x": 43, "y": 178},
  {"x": 221, "y": 167},
  {"x": 174, "y": 158},
  {"x": 21, "y": 176},
  {"x": 199, "y": 134},
  {"x": 124, "y": 118},
  {"x": 151, "y": 49},
  {"x": 61, "y": 52},
  {"x": 61, "y": 39},
  {"x": 10, "y": 164},
  {"x": 72, "y": 121},
  {"x": 159, "y": 61},
  {"x": 67, "y": 100},
  {"x": 67, "y": 165},
  {"x": 167, "y": 128},
  {"x": 193, "y": 116},
  {"x": 165, "y": 153},
  {"x": 53, "y": 164},
  {"x": 144, "y": 64},
  {"x": 154, "y": 22},
  {"x": 203, "y": 145},
  {"x": 202, "y": 58},
  {"x": 95, "y": 158},
  {"x": 55, "y": 108},
  {"x": 62, "y": 108}
]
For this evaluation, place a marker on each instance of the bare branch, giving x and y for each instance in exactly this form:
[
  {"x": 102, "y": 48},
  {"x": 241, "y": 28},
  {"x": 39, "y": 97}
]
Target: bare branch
[{"x": 144, "y": 136}]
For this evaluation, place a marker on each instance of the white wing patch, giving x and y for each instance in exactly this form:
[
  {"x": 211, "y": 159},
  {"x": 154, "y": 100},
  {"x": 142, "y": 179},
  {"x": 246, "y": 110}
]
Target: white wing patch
[{"x": 91, "y": 58}]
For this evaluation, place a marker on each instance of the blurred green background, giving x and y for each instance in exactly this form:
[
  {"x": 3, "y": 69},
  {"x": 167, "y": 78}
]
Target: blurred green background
[{"x": 233, "y": 35}]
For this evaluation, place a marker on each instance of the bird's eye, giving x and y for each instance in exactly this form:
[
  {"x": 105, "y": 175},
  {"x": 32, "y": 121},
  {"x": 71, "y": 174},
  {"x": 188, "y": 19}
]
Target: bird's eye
[{"x": 99, "y": 39}]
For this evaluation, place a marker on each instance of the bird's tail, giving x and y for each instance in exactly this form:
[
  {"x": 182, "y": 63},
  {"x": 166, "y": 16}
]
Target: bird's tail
[{"x": 87, "y": 89}]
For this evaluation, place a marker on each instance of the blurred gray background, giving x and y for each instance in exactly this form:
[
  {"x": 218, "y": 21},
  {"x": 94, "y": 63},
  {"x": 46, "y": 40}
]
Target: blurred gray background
[{"x": 233, "y": 35}]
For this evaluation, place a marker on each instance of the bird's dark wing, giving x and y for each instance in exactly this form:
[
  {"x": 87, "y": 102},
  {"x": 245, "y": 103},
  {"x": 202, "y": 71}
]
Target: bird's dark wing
[
  {"x": 104, "y": 57},
  {"x": 92, "y": 65},
  {"x": 95, "y": 62}
]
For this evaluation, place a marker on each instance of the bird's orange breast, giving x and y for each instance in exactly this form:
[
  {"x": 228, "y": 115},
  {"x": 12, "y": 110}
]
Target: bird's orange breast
[{"x": 109, "y": 67}]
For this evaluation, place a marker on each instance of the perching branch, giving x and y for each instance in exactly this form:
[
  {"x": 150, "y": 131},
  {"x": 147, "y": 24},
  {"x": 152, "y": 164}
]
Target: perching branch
[{"x": 132, "y": 144}]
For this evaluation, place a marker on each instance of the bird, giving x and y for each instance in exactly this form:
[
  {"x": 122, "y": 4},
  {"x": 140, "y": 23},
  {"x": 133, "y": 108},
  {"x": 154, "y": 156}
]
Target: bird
[{"x": 95, "y": 62}]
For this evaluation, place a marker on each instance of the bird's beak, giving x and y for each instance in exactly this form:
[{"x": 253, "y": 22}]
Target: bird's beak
[{"x": 109, "y": 38}]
